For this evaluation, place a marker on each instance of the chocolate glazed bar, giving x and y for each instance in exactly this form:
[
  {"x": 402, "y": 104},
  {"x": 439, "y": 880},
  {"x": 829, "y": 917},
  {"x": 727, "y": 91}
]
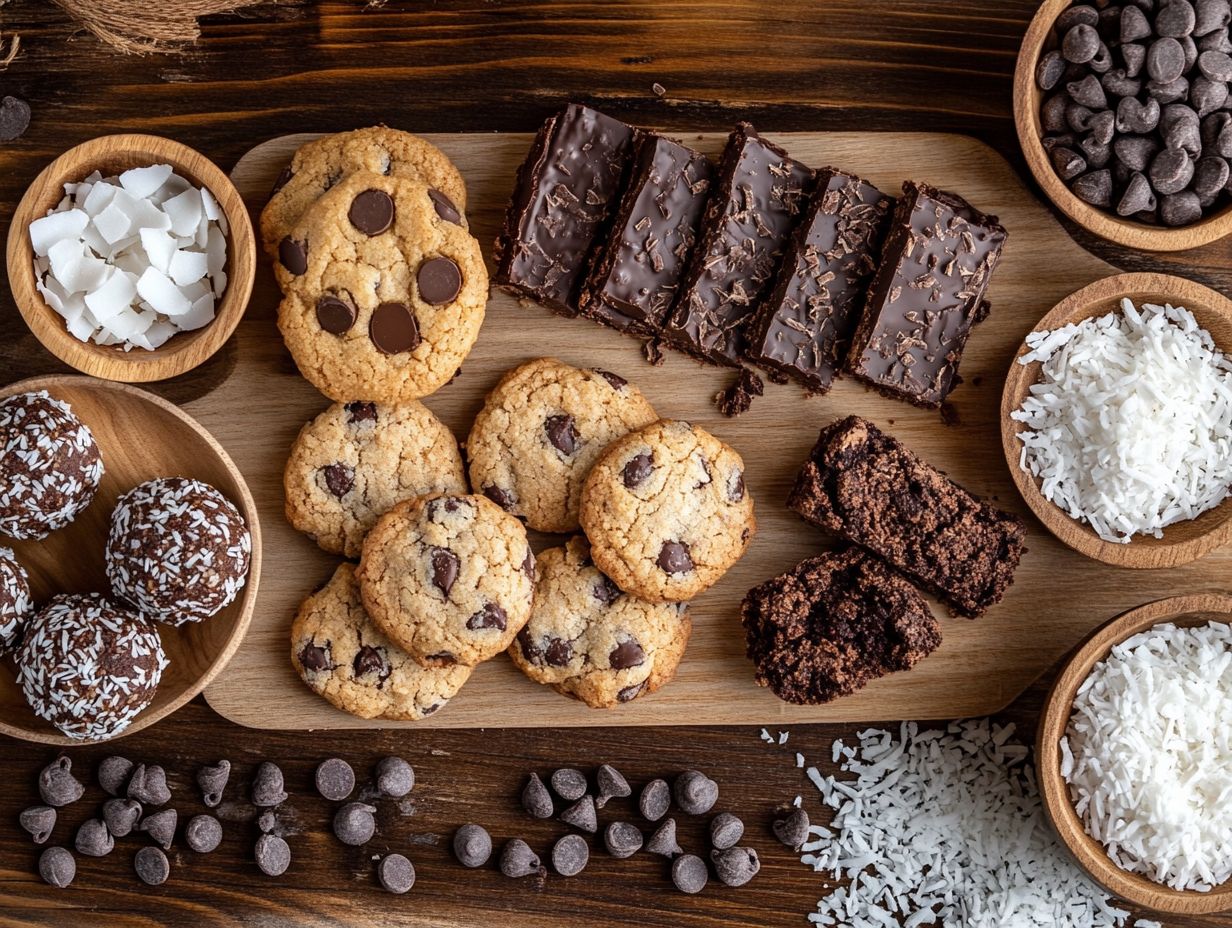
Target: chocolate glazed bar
[
  {"x": 927, "y": 295},
  {"x": 635, "y": 274},
  {"x": 867, "y": 487},
  {"x": 807, "y": 323},
  {"x": 564, "y": 195},
  {"x": 758, "y": 202}
]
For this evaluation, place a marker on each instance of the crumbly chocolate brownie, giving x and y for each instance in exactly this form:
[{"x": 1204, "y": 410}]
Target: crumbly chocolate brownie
[
  {"x": 832, "y": 623},
  {"x": 927, "y": 295},
  {"x": 869, "y": 488},
  {"x": 806, "y": 325}
]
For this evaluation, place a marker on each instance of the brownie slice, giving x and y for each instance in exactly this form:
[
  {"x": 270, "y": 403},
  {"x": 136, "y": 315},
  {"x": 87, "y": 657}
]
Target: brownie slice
[
  {"x": 563, "y": 198},
  {"x": 927, "y": 295},
  {"x": 869, "y": 488},
  {"x": 805, "y": 326},
  {"x": 759, "y": 199},
  {"x": 833, "y": 623},
  {"x": 636, "y": 272}
]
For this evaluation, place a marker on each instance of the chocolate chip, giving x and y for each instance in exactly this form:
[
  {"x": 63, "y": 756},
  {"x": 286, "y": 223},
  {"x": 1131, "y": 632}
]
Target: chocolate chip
[
  {"x": 637, "y": 469},
  {"x": 1089, "y": 92},
  {"x": 570, "y": 855},
  {"x": 14, "y": 118},
  {"x": 689, "y": 874},
  {"x": 612, "y": 785},
  {"x": 562, "y": 434},
  {"x": 394, "y": 329},
  {"x": 1180, "y": 209},
  {"x": 355, "y": 824},
  {"x": 39, "y": 821},
  {"x": 528, "y": 565},
  {"x": 57, "y": 867},
  {"x": 273, "y": 855},
  {"x": 1170, "y": 171},
  {"x": 314, "y": 657},
  {"x": 501, "y": 497},
  {"x": 1170, "y": 91},
  {"x": 160, "y": 826},
  {"x": 1134, "y": 57},
  {"x": 1210, "y": 176},
  {"x": 335, "y": 315},
  {"x": 674, "y": 558},
  {"x": 57, "y": 785},
  {"x": 735, "y": 486},
  {"x": 663, "y": 841},
  {"x": 1176, "y": 18},
  {"x": 626, "y": 654},
  {"x": 622, "y": 839},
  {"x": 558, "y": 653},
  {"x": 339, "y": 479},
  {"x": 569, "y": 783},
  {"x": 518, "y": 860},
  {"x": 582, "y": 815},
  {"x": 615, "y": 380},
  {"x": 283, "y": 178},
  {"x": 1052, "y": 113},
  {"x": 148, "y": 785},
  {"x": 792, "y": 829},
  {"x": 1135, "y": 151},
  {"x": 536, "y": 799},
  {"x": 439, "y": 280},
  {"x": 1207, "y": 95},
  {"x": 1118, "y": 83},
  {"x": 334, "y": 779},
  {"x": 1211, "y": 16},
  {"x": 360, "y": 412},
  {"x": 655, "y": 800},
  {"x": 726, "y": 830},
  {"x": 1094, "y": 187},
  {"x": 396, "y": 874},
  {"x": 370, "y": 661},
  {"x": 630, "y": 693},
  {"x": 442, "y": 658},
  {"x": 203, "y": 834},
  {"x": 268, "y": 785},
  {"x": 293, "y": 255},
  {"x": 121, "y": 816},
  {"x": 1050, "y": 70},
  {"x": 444, "y": 207},
  {"x": 93, "y": 839},
  {"x": 372, "y": 212},
  {"x": 1137, "y": 197},
  {"x": 735, "y": 866},
  {"x": 1133, "y": 24},
  {"x": 267, "y": 822},
  {"x": 472, "y": 845},
  {"x": 445, "y": 565},
  {"x": 212, "y": 778},
  {"x": 1080, "y": 44},
  {"x": 605, "y": 591},
  {"x": 1135, "y": 117},
  {"x": 695, "y": 793},
  {"x": 1078, "y": 13},
  {"x": 113, "y": 774}
]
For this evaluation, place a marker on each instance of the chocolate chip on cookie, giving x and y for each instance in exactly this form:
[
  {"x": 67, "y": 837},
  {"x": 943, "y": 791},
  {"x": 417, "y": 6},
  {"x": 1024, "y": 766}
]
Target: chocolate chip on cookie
[
  {"x": 439, "y": 280},
  {"x": 372, "y": 212},
  {"x": 335, "y": 315},
  {"x": 444, "y": 207},
  {"x": 394, "y": 329},
  {"x": 294, "y": 255},
  {"x": 339, "y": 478}
]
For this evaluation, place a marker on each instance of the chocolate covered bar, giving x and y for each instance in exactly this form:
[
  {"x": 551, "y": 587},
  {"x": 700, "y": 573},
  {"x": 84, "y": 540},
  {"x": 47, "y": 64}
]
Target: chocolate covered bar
[
  {"x": 563, "y": 198},
  {"x": 636, "y": 273},
  {"x": 759, "y": 199},
  {"x": 868, "y": 488},
  {"x": 926, "y": 296},
  {"x": 806, "y": 324}
]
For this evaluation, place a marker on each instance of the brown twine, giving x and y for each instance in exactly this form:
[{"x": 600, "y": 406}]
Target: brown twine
[{"x": 141, "y": 26}]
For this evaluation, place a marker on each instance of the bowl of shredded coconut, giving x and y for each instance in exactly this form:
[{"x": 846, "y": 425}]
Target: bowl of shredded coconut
[
  {"x": 1117, "y": 420},
  {"x": 1134, "y": 755}
]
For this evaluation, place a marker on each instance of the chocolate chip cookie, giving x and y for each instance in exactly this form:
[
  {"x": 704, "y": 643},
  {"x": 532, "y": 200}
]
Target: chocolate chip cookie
[
  {"x": 319, "y": 165},
  {"x": 589, "y": 640},
  {"x": 385, "y": 298},
  {"x": 353, "y": 462},
  {"x": 667, "y": 512},
  {"x": 345, "y": 658},
  {"x": 449, "y": 578},
  {"x": 540, "y": 431}
]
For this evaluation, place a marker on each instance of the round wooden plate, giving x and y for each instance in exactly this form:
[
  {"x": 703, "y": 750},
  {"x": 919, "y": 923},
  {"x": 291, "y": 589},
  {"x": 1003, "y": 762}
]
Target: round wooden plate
[
  {"x": 1090, "y": 854},
  {"x": 1104, "y": 223},
  {"x": 112, "y": 154},
  {"x": 1182, "y": 542},
  {"x": 141, "y": 437}
]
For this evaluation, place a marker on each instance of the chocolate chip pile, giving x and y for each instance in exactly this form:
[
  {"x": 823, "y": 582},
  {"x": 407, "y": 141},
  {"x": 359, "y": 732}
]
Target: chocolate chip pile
[{"x": 1136, "y": 109}]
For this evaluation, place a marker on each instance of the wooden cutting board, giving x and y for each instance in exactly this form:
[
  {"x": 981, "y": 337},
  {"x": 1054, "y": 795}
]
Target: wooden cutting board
[{"x": 981, "y": 665}]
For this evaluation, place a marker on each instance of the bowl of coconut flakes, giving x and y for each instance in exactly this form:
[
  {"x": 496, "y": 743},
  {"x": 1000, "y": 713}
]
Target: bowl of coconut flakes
[
  {"x": 1134, "y": 755},
  {"x": 132, "y": 258},
  {"x": 1116, "y": 420}
]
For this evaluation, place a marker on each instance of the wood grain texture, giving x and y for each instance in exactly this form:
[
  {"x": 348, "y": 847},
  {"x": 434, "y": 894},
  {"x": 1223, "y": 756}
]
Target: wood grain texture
[
  {"x": 140, "y": 436},
  {"x": 113, "y": 154},
  {"x": 1089, "y": 853},
  {"x": 1181, "y": 543}
]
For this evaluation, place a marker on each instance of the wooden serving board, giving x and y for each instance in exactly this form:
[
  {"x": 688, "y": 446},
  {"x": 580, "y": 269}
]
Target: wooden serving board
[{"x": 981, "y": 666}]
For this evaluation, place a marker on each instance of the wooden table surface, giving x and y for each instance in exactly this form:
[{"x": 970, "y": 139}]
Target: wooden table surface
[{"x": 474, "y": 65}]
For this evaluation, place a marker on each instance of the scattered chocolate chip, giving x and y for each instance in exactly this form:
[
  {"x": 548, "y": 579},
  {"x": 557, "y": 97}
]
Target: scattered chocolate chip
[
  {"x": 695, "y": 793},
  {"x": 212, "y": 778},
  {"x": 626, "y": 654},
  {"x": 57, "y": 785},
  {"x": 655, "y": 800},
  {"x": 14, "y": 118},
  {"x": 148, "y": 785},
  {"x": 536, "y": 799},
  {"x": 372, "y": 212},
  {"x": 490, "y": 616},
  {"x": 570, "y": 855},
  {"x": 293, "y": 255},
  {"x": 113, "y": 774},
  {"x": 444, "y": 207},
  {"x": 273, "y": 855},
  {"x": 335, "y": 315},
  {"x": 339, "y": 478},
  {"x": 203, "y": 834},
  {"x": 472, "y": 845},
  {"x": 612, "y": 785},
  {"x": 562, "y": 434},
  {"x": 445, "y": 565},
  {"x": 614, "y": 380},
  {"x": 726, "y": 830},
  {"x": 268, "y": 786},
  {"x": 393, "y": 328},
  {"x": 637, "y": 469},
  {"x": 371, "y": 662},
  {"x": 689, "y": 874},
  {"x": 582, "y": 815},
  {"x": 622, "y": 839},
  {"x": 735, "y": 866},
  {"x": 569, "y": 783},
  {"x": 663, "y": 841},
  {"x": 501, "y": 497},
  {"x": 674, "y": 558},
  {"x": 355, "y": 824},
  {"x": 439, "y": 280},
  {"x": 518, "y": 860},
  {"x": 39, "y": 821},
  {"x": 396, "y": 874},
  {"x": 160, "y": 826},
  {"x": 792, "y": 829},
  {"x": 93, "y": 839},
  {"x": 57, "y": 867},
  {"x": 267, "y": 821},
  {"x": 334, "y": 779},
  {"x": 121, "y": 816},
  {"x": 152, "y": 866}
]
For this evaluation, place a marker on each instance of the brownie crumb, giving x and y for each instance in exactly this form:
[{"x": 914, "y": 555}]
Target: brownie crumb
[
  {"x": 652, "y": 351},
  {"x": 738, "y": 397}
]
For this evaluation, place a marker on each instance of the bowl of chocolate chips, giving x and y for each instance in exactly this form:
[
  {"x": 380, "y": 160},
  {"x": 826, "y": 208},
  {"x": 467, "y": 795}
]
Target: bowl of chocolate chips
[{"x": 1124, "y": 116}]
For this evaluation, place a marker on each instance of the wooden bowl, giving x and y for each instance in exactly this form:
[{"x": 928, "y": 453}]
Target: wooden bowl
[
  {"x": 1182, "y": 542},
  {"x": 112, "y": 154},
  {"x": 1104, "y": 223},
  {"x": 1090, "y": 855},
  {"x": 141, "y": 437}
]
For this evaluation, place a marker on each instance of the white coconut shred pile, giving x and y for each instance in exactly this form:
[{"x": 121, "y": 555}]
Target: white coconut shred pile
[
  {"x": 1148, "y": 755},
  {"x": 1130, "y": 426},
  {"x": 945, "y": 828}
]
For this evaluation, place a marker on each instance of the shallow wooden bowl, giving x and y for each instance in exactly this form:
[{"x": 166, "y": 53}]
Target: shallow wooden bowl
[
  {"x": 1104, "y": 223},
  {"x": 1089, "y": 854},
  {"x": 112, "y": 154},
  {"x": 140, "y": 436},
  {"x": 1182, "y": 542}
]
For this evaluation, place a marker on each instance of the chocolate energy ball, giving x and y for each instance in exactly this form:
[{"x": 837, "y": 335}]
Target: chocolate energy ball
[
  {"x": 178, "y": 550},
  {"x": 50, "y": 466},
  {"x": 15, "y": 602},
  {"x": 88, "y": 667}
]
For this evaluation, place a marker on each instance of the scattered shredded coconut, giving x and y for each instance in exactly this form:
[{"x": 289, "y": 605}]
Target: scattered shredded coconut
[
  {"x": 1148, "y": 755},
  {"x": 1130, "y": 426}
]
